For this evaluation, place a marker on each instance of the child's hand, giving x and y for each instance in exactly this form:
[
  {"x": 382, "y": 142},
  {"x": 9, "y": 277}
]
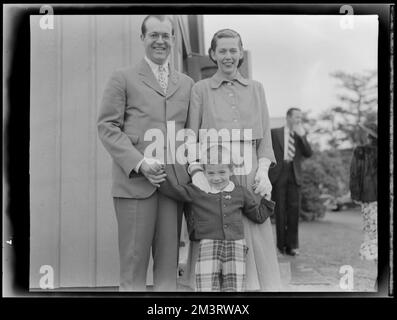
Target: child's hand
[
  {"x": 153, "y": 170},
  {"x": 200, "y": 181},
  {"x": 156, "y": 166},
  {"x": 159, "y": 167},
  {"x": 268, "y": 197}
]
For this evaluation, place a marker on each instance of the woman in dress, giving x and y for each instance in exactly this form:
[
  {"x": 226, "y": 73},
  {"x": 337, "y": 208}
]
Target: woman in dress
[
  {"x": 363, "y": 188},
  {"x": 227, "y": 101}
]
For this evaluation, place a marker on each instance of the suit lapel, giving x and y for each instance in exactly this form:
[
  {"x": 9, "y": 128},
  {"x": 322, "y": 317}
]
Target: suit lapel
[
  {"x": 281, "y": 138},
  {"x": 148, "y": 77},
  {"x": 173, "y": 82}
]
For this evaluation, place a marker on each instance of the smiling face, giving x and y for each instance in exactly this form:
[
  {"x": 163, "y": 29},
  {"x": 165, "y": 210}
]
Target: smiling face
[
  {"x": 227, "y": 55},
  {"x": 218, "y": 175},
  {"x": 158, "y": 40}
]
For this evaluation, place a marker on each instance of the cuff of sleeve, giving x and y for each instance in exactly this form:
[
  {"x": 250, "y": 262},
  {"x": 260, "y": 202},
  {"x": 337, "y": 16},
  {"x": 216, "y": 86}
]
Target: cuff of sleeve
[
  {"x": 264, "y": 164},
  {"x": 138, "y": 166},
  {"x": 270, "y": 204},
  {"x": 268, "y": 154},
  {"x": 194, "y": 167}
]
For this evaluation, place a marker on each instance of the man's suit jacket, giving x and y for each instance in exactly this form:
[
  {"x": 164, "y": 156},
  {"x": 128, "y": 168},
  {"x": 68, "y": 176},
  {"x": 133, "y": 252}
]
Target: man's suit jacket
[
  {"x": 302, "y": 150},
  {"x": 134, "y": 102}
]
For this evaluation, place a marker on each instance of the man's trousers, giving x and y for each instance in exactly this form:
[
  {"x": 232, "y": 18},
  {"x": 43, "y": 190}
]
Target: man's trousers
[
  {"x": 286, "y": 194},
  {"x": 154, "y": 223}
]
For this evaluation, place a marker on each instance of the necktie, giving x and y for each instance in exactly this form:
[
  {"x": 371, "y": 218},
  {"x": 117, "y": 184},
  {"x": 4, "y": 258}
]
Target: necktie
[
  {"x": 162, "y": 78},
  {"x": 291, "y": 146}
]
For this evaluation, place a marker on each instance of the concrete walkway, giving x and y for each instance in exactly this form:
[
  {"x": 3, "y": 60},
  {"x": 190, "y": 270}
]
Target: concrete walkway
[{"x": 328, "y": 255}]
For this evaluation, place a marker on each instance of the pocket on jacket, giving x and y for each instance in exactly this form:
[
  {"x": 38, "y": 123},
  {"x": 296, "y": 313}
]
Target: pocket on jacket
[
  {"x": 204, "y": 228},
  {"x": 236, "y": 228}
]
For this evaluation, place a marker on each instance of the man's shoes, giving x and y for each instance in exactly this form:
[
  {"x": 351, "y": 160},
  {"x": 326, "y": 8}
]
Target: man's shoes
[
  {"x": 281, "y": 251},
  {"x": 292, "y": 252}
]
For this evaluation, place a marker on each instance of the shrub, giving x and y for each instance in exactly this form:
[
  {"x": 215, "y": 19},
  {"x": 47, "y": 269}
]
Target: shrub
[{"x": 326, "y": 172}]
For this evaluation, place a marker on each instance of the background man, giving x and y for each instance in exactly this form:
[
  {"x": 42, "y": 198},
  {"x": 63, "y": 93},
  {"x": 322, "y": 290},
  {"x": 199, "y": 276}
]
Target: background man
[
  {"x": 135, "y": 100},
  {"x": 290, "y": 148}
]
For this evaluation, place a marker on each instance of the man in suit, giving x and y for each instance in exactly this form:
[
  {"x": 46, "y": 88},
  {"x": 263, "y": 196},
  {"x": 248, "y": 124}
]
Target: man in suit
[
  {"x": 136, "y": 100},
  {"x": 290, "y": 147}
]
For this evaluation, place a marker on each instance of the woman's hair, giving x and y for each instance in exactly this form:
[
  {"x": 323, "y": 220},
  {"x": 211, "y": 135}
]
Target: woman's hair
[{"x": 225, "y": 33}]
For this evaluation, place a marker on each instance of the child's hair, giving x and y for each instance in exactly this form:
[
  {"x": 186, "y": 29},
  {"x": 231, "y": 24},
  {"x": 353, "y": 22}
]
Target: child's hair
[{"x": 218, "y": 154}]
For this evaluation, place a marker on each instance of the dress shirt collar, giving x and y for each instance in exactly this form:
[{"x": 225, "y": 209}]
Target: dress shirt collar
[
  {"x": 218, "y": 78},
  {"x": 228, "y": 188},
  {"x": 287, "y": 131},
  {"x": 155, "y": 66}
]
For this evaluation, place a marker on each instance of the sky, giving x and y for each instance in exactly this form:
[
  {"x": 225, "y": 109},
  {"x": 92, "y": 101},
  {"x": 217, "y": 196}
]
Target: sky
[{"x": 293, "y": 55}]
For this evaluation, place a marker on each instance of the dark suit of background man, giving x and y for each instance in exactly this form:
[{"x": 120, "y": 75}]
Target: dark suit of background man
[
  {"x": 135, "y": 100},
  {"x": 290, "y": 148}
]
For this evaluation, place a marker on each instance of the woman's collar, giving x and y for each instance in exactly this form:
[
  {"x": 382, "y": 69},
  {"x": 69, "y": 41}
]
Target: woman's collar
[{"x": 218, "y": 78}]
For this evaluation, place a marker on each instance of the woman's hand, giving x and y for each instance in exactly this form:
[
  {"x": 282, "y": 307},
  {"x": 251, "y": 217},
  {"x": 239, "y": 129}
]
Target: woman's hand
[{"x": 262, "y": 183}]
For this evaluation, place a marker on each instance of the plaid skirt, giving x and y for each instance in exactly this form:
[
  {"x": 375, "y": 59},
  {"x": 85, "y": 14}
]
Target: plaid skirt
[{"x": 221, "y": 265}]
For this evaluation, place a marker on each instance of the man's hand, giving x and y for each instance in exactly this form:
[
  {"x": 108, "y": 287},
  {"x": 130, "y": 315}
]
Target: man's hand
[
  {"x": 299, "y": 130},
  {"x": 153, "y": 171}
]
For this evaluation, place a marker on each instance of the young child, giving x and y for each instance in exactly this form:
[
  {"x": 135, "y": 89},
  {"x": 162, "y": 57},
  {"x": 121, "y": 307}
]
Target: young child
[{"x": 215, "y": 220}]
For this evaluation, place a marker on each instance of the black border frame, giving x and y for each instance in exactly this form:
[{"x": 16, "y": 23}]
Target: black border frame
[{"x": 17, "y": 142}]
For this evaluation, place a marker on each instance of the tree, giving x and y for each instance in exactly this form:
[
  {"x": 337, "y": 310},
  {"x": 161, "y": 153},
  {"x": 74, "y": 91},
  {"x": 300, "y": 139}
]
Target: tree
[
  {"x": 358, "y": 101},
  {"x": 327, "y": 171}
]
